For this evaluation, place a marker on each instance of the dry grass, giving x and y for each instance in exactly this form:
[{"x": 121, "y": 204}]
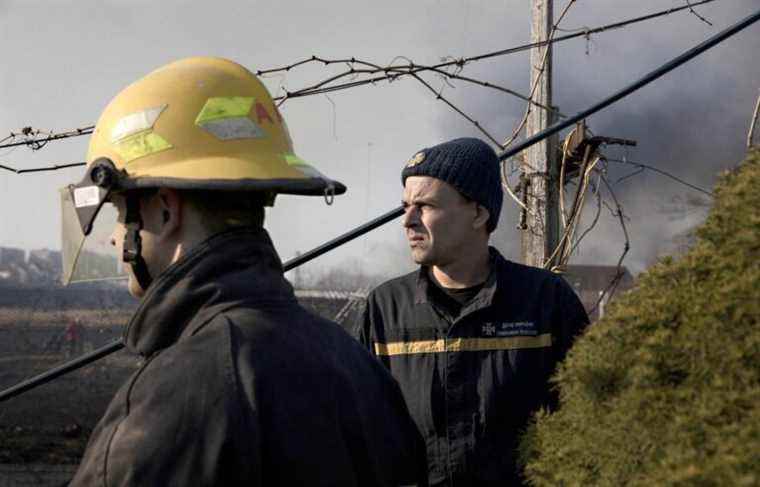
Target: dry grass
[
  {"x": 86, "y": 317},
  {"x": 665, "y": 390}
]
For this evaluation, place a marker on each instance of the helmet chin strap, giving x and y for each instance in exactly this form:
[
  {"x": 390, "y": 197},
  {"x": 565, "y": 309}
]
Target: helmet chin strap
[{"x": 131, "y": 253}]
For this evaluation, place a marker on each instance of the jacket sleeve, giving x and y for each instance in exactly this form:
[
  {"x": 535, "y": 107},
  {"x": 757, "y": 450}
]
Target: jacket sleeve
[
  {"x": 362, "y": 328},
  {"x": 572, "y": 319},
  {"x": 187, "y": 423}
]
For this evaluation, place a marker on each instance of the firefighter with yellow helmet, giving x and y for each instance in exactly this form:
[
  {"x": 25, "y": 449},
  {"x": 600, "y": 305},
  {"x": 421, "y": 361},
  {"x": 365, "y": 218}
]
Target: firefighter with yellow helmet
[{"x": 239, "y": 384}]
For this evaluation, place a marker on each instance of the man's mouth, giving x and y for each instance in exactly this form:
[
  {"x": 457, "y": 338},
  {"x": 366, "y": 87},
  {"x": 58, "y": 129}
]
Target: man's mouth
[{"x": 415, "y": 240}]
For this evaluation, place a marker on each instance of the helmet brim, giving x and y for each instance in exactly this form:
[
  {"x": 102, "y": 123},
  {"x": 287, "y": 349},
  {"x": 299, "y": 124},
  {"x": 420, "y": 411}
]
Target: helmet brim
[{"x": 307, "y": 186}]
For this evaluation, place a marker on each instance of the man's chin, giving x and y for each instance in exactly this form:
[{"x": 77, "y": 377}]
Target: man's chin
[
  {"x": 134, "y": 288},
  {"x": 420, "y": 257}
]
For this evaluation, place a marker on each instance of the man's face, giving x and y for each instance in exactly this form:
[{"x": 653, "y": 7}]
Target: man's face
[
  {"x": 151, "y": 252},
  {"x": 439, "y": 221}
]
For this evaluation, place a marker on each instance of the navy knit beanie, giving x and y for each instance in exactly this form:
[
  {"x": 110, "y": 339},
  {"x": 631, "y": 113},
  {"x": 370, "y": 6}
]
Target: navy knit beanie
[{"x": 468, "y": 164}]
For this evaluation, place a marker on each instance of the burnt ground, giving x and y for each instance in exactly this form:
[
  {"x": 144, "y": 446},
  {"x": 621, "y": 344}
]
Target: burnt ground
[{"x": 51, "y": 424}]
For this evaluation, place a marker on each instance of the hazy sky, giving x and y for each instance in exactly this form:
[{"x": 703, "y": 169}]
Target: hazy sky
[{"x": 64, "y": 60}]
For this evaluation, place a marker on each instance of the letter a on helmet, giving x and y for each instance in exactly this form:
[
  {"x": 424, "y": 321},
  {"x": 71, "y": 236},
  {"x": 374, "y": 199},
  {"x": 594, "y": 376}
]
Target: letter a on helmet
[{"x": 199, "y": 123}]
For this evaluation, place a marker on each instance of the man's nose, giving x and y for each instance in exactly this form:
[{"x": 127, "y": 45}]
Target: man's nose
[{"x": 411, "y": 216}]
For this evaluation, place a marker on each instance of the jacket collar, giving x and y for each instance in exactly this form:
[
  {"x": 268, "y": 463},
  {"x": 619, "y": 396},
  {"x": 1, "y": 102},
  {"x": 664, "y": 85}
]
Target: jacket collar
[
  {"x": 483, "y": 299},
  {"x": 231, "y": 268}
]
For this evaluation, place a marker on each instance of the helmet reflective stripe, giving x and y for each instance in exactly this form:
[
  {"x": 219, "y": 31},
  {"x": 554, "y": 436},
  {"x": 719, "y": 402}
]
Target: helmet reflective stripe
[
  {"x": 135, "y": 122},
  {"x": 133, "y": 137},
  {"x": 227, "y": 118},
  {"x": 141, "y": 145}
]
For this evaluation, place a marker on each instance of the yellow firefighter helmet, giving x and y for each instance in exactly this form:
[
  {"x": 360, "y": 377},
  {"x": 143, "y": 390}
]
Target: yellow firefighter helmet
[
  {"x": 200, "y": 123},
  {"x": 203, "y": 123}
]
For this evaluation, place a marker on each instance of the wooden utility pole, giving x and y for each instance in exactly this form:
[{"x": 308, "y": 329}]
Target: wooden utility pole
[{"x": 540, "y": 170}]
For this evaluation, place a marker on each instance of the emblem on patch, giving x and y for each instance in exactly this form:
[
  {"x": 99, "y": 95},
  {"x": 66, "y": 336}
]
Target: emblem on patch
[{"x": 418, "y": 158}]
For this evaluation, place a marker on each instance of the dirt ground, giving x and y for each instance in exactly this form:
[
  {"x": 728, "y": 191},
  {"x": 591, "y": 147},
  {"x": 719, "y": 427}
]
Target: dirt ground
[{"x": 51, "y": 423}]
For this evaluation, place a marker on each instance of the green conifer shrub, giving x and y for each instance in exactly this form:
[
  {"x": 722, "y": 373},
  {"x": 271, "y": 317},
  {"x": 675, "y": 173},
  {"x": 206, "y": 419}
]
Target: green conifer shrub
[{"x": 665, "y": 390}]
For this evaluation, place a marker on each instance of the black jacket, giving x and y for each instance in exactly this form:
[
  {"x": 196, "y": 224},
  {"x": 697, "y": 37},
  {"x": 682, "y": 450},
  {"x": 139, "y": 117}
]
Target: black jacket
[
  {"x": 242, "y": 386},
  {"x": 472, "y": 382}
]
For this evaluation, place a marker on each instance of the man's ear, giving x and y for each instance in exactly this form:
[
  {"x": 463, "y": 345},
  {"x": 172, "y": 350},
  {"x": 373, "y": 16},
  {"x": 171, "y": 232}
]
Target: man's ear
[
  {"x": 169, "y": 206},
  {"x": 481, "y": 216}
]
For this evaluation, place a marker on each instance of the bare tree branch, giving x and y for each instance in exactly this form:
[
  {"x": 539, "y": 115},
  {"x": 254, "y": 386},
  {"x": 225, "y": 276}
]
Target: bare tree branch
[{"x": 751, "y": 134}]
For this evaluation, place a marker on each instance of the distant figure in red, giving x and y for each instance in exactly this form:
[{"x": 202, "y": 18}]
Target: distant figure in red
[{"x": 73, "y": 338}]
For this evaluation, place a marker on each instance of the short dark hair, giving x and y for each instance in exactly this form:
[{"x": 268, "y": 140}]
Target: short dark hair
[{"x": 221, "y": 210}]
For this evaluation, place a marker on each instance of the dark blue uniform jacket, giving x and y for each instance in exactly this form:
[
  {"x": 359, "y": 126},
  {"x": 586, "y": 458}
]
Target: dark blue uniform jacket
[{"x": 471, "y": 382}]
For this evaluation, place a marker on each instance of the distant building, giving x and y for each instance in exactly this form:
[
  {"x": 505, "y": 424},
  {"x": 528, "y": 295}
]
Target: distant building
[
  {"x": 13, "y": 265},
  {"x": 11, "y": 255},
  {"x": 44, "y": 266},
  {"x": 591, "y": 281},
  {"x": 40, "y": 267}
]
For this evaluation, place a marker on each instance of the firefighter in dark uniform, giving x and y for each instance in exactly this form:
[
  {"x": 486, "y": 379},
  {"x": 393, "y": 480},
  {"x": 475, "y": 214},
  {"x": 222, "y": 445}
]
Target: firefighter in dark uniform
[
  {"x": 239, "y": 384},
  {"x": 471, "y": 337}
]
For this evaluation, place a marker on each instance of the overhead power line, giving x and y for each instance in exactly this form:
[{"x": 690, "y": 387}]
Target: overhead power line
[
  {"x": 391, "y": 72},
  {"x": 30, "y": 139},
  {"x": 662, "y": 172},
  {"x": 395, "y": 71},
  {"x": 635, "y": 86},
  {"x": 54, "y": 167}
]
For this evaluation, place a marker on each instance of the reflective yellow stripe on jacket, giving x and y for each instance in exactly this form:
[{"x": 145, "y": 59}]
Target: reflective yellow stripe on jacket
[{"x": 463, "y": 345}]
